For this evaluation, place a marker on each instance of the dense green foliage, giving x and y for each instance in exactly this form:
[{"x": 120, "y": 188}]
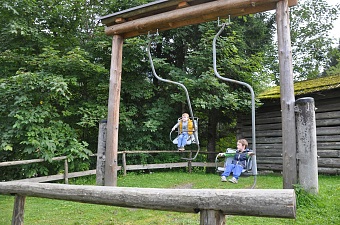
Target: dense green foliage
[
  {"x": 311, "y": 209},
  {"x": 311, "y": 22},
  {"x": 313, "y": 51},
  {"x": 54, "y": 73}
]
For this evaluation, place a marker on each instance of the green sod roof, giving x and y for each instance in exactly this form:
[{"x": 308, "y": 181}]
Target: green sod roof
[{"x": 305, "y": 87}]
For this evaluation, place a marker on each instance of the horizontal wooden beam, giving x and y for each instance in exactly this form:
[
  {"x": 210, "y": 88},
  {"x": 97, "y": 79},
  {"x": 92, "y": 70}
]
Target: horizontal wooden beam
[
  {"x": 246, "y": 202},
  {"x": 191, "y": 15},
  {"x": 24, "y": 162}
]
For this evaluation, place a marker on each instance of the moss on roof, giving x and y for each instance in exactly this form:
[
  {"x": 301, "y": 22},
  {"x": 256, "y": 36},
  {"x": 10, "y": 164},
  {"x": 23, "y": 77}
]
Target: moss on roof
[{"x": 304, "y": 87}]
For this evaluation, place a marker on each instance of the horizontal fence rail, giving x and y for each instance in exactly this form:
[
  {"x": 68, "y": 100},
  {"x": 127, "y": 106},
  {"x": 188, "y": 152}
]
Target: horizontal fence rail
[
  {"x": 279, "y": 203},
  {"x": 124, "y": 166}
]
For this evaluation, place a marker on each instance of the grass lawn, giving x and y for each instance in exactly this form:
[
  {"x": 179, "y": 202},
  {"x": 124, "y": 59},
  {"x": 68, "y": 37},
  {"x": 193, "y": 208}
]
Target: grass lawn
[{"x": 320, "y": 209}]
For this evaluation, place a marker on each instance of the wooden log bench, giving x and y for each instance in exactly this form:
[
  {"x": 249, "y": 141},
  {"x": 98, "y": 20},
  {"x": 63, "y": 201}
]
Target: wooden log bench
[{"x": 212, "y": 204}]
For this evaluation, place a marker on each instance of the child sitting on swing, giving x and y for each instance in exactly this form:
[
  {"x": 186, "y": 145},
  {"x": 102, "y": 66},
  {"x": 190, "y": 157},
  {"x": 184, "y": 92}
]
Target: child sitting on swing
[
  {"x": 238, "y": 162},
  {"x": 186, "y": 128}
]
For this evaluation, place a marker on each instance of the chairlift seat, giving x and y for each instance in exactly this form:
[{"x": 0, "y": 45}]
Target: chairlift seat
[
  {"x": 191, "y": 138},
  {"x": 228, "y": 160}
]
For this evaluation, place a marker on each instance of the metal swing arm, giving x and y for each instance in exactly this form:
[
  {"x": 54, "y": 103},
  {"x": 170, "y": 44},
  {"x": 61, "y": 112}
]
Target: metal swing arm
[
  {"x": 186, "y": 93},
  {"x": 244, "y": 84}
]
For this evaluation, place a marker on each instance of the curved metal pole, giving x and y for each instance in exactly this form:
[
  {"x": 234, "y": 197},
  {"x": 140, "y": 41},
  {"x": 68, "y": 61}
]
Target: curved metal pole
[
  {"x": 252, "y": 97},
  {"x": 186, "y": 93}
]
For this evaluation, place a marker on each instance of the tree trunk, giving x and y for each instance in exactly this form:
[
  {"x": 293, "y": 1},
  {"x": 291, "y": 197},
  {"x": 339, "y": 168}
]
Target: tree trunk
[{"x": 212, "y": 136}]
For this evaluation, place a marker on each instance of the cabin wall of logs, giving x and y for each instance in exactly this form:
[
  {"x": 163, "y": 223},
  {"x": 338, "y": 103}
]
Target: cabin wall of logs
[{"x": 269, "y": 132}]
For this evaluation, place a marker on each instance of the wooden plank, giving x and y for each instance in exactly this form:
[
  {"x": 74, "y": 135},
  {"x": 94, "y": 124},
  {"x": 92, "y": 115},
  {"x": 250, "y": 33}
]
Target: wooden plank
[
  {"x": 329, "y": 162},
  {"x": 328, "y": 115},
  {"x": 332, "y": 138},
  {"x": 270, "y": 146},
  {"x": 273, "y": 140},
  {"x": 262, "y": 154},
  {"x": 205, "y": 164},
  {"x": 57, "y": 177},
  {"x": 260, "y": 202},
  {"x": 274, "y": 167},
  {"x": 190, "y": 15},
  {"x": 329, "y": 153},
  {"x": 25, "y": 162},
  {"x": 151, "y": 151},
  {"x": 156, "y": 166},
  {"x": 261, "y": 127},
  {"x": 264, "y": 133},
  {"x": 270, "y": 160},
  {"x": 328, "y": 122},
  {"x": 331, "y": 171},
  {"x": 329, "y": 145},
  {"x": 327, "y": 130},
  {"x": 261, "y": 119},
  {"x": 326, "y": 107}
]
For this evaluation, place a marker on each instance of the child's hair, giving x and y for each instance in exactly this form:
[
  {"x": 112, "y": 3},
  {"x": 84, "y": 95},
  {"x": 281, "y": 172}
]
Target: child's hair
[
  {"x": 185, "y": 114},
  {"x": 244, "y": 142}
]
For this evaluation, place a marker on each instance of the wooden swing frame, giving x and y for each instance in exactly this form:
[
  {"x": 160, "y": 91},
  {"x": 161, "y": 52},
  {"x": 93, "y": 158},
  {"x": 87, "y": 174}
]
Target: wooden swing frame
[{"x": 169, "y": 14}]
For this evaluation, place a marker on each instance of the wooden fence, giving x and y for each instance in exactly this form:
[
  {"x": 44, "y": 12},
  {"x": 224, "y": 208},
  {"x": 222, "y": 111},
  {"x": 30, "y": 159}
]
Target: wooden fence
[{"x": 125, "y": 167}]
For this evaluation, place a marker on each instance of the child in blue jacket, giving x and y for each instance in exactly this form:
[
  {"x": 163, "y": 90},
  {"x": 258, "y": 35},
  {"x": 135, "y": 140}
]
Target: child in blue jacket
[{"x": 238, "y": 163}]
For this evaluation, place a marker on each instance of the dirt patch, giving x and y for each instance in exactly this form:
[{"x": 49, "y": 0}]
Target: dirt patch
[{"x": 184, "y": 186}]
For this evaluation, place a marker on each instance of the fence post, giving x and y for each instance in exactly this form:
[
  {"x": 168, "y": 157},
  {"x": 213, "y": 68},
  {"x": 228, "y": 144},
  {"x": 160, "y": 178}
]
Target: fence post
[
  {"x": 211, "y": 217},
  {"x": 124, "y": 162},
  {"x": 66, "y": 171},
  {"x": 190, "y": 163},
  {"x": 18, "y": 210},
  {"x": 100, "y": 170},
  {"x": 307, "y": 145}
]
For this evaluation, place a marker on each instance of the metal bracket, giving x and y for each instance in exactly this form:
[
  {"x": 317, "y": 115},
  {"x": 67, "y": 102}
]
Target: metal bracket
[{"x": 223, "y": 24}]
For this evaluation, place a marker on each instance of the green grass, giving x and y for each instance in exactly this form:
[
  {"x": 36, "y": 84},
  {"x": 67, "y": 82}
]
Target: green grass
[{"x": 319, "y": 209}]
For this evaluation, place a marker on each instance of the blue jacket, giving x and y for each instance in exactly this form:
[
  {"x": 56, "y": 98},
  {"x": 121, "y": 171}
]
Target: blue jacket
[{"x": 240, "y": 158}]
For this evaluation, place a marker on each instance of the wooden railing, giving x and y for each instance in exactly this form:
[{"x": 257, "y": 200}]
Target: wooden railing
[{"x": 125, "y": 167}]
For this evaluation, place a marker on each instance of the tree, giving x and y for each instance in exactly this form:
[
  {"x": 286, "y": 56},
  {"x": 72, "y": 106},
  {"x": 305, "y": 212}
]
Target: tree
[
  {"x": 51, "y": 90},
  {"x": 311, "y": 21},
  {"x": 334, "y": 65}
]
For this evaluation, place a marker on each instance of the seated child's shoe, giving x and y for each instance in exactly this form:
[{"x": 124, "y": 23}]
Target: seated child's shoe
[
  {"x": 223, "y": 179},
  {"x": 233, "y": 180}
]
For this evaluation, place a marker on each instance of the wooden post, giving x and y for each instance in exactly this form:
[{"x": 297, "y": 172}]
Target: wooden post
[
  {"x": 190, "y": 163},
  {"x": 306, "y": 145},
  {"x": 212, "y": 217},
  {"x": 66, "y": 171},
  {"x": 111, "y": 159},
  {"x": 18, "y": 210},
  {"x": 287, "y": 95},
  {"x": 124, "y": 163},
  {"x": 100, "y": 169}
]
